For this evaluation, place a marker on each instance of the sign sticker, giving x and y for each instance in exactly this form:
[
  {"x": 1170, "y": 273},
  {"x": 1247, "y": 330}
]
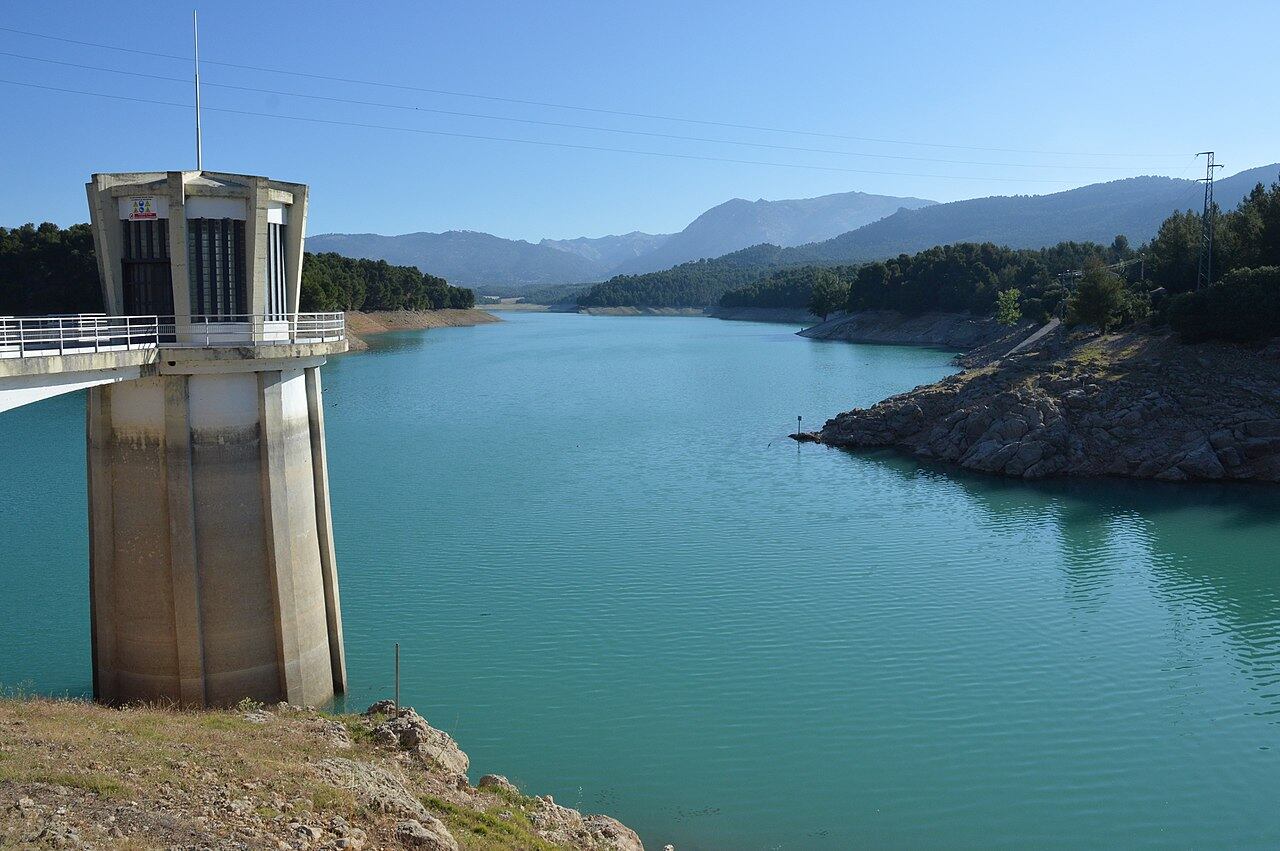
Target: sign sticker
[{"x": 142, "y": 209}]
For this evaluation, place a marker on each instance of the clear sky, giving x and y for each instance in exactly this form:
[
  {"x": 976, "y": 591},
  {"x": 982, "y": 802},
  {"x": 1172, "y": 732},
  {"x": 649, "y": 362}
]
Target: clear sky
[{"x": 1111, "y": 89}]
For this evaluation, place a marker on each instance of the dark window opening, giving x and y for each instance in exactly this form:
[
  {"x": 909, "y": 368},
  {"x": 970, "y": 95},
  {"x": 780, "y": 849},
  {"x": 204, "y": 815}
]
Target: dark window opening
[
  {"x": 145, "y": 273},
  {"x": 216, "y": 261}
]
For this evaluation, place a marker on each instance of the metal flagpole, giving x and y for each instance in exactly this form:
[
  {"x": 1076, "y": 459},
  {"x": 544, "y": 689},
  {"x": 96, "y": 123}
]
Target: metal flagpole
[{"x": 195, "y": 31}]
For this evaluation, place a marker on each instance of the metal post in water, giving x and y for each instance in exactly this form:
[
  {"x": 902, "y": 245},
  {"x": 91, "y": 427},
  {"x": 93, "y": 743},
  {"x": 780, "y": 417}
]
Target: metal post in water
[
  {"x": 798, "y": 421},
  {"x": 397, "y": 700}
]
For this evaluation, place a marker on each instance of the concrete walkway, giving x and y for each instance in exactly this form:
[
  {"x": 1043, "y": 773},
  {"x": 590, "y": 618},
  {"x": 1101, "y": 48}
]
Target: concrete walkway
[{"x": 1048, "y": 328}]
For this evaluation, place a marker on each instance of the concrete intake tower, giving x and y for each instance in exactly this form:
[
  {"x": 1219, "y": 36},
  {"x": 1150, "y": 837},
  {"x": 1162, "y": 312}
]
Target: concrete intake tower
[{"x": 212, "y": 568}]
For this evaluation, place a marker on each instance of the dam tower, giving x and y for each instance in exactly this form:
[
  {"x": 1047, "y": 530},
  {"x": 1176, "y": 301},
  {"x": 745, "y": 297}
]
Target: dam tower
[{"x": 212, "y": 568}]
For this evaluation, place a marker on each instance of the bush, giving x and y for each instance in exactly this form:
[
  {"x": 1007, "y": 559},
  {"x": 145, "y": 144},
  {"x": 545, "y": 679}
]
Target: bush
[
  {"x": 1243, "y": 307},
  {"x": 1007, "y": 310},
  {"x": 1098, "y": 300}
]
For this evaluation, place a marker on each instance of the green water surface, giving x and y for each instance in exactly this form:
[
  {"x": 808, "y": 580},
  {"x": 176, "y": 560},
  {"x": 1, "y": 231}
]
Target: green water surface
[{"x": 615, "y": 580}]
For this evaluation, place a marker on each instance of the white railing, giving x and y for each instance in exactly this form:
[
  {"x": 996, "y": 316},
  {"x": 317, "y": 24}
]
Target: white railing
[
  {"x": 256, "y": 329},
  {"x": 43, "y": 336}
]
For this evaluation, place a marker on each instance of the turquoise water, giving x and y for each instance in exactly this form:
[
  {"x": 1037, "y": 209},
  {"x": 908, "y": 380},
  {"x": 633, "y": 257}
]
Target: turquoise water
[{"x": 616, "y": 581}]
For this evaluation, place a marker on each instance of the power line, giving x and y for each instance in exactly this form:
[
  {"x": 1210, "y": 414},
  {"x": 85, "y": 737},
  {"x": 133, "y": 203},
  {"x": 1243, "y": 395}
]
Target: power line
[
  {"x": 562, "y": 125},
  {"x": 599, "y": 110},
  {"x": 539, "y": 142}
]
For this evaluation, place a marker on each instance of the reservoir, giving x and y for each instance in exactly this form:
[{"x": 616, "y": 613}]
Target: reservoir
[{"x": 615, "y": 580}]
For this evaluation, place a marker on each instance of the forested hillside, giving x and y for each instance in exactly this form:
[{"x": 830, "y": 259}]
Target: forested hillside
[
  {"x": 1109, "y": 286},
  {"x": 959, "y": 278},
  {"x": 48, "y": 269},
  {"x": 1135, "y": 207},
  {"x": 333, "y": 282},
  {"x": 695, "y": 284},
  {"x": 1243, "y": 305}
]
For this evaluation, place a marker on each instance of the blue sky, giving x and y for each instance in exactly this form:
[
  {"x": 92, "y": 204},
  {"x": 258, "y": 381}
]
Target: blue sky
[{"x": 1116, "y": 89}]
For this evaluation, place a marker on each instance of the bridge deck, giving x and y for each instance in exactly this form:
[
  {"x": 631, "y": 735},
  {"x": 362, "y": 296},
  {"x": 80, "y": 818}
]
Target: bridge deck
[{"x": 45, "y": 356}]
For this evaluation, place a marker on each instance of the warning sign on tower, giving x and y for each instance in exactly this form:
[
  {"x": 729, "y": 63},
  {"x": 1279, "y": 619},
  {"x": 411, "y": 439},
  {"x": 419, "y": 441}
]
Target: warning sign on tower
[{"x": 142, "y": 209}]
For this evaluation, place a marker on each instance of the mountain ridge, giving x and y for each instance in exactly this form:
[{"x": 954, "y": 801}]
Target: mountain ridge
[
  {"x": 739, "y": 223},
  {"x": 1134, "y": 207},
  {"x": 476, "y": 258}
]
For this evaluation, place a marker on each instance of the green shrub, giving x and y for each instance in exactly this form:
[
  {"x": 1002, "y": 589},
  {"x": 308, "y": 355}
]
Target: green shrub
[{"x": 1243, "y": 307}]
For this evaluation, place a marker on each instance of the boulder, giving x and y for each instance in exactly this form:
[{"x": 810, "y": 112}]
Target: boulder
[
  {"x": 427, "y": 832},
  {"x": 375, "y": 787},
  {"x": 409, "y": 731},
  {"x": 497, "y": 781}
]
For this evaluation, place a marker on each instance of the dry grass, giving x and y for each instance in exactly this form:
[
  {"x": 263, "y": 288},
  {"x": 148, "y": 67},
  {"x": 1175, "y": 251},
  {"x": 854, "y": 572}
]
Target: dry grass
[{"x": 163, "y": 776}]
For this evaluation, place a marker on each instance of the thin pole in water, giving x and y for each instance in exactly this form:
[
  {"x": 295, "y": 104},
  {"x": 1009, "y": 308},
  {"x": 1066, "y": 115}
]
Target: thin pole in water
[
  {"x": 798, "y": 421},
  {"x": 397, "y": 678}
]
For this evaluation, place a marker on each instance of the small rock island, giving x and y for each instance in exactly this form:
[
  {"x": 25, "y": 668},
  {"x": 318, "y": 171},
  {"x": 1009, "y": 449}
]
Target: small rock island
[{"x": 1138, "y": 405}]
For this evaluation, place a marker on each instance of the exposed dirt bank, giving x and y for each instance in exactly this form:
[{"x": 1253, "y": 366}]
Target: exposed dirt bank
[
  {"x": 519, "y": 307},
  {"x": 945, "y": 330},
  {"x": 361, "y": 325},
  {"x": 78, "y": 775},
  {"x": 642, "y": 311},
  {"x": 1133, "y": 405},
  {"x": 790, "y": 316},
  {"x": 744, "y": 314}
]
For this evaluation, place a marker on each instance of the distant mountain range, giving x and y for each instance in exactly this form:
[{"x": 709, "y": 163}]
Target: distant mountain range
[
  {"x": 467, "y": 258},
  {"x": 1134, "y": 207},
  {"x": 609, "y": 252},
  {"x": 738, "y": 224},
  {"x": 474, "y": 259},
  {"x": 849, "y": 227}
]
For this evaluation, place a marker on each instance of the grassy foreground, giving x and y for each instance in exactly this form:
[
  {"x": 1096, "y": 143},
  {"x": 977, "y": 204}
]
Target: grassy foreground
[{"x": 75, "y": 774}]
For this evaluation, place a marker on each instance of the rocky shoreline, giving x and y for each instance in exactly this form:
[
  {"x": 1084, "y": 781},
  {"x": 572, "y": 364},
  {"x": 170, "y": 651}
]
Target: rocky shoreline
[
  {"x": 77, "y": 775},
  {"x": 1136, "y": 405}
]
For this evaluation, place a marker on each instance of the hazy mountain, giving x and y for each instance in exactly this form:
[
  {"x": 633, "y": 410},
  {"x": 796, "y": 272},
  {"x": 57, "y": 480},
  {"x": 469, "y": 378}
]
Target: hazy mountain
[
  {"x": 470, "y": 258},
  {"x": 739, "y": 223},
  {"x": 1134, "y": 207},
  {"x": 610, "y": 251},
  {"x": 466, "y": 258}
]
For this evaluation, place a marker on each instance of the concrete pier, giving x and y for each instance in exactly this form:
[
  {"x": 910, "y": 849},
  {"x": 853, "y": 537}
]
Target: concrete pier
[{"x": 212, "y": 571}]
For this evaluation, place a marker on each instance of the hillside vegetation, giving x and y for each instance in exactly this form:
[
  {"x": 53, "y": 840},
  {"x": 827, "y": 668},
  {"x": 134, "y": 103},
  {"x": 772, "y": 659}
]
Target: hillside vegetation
[
  {"x": 47, "y": 269},
  {"x": 1112, "y": 286},
  {"x": 333, "y": 282},
  {"x": 1135, "y": 207}
]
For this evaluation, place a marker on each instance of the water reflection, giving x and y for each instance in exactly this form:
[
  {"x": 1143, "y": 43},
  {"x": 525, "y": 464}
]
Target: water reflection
[{"x": 1208, "y": 549}]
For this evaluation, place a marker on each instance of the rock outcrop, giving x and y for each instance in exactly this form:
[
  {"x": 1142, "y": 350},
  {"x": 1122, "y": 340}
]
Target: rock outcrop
[
  {"x": 1132, "y": 405},
  {"x": 77, "y": 775}
]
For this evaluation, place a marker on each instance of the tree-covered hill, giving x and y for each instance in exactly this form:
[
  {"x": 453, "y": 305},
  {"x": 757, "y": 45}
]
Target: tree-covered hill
[
  {"x": 48, "y": 269},
  {"x": 333, "y": 282},
  {"x": 1135, "y": 207},
  {"x": 695, "y": 284},
  {"x": 966, "y": 277},
  {"x": 1108, "y": 286}
]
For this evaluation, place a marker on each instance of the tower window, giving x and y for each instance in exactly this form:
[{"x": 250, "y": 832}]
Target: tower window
[
  {"x": 216, "y": 262},
  {"x": 146, "y": 277},
  {"x": 277, "y": 292}
]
